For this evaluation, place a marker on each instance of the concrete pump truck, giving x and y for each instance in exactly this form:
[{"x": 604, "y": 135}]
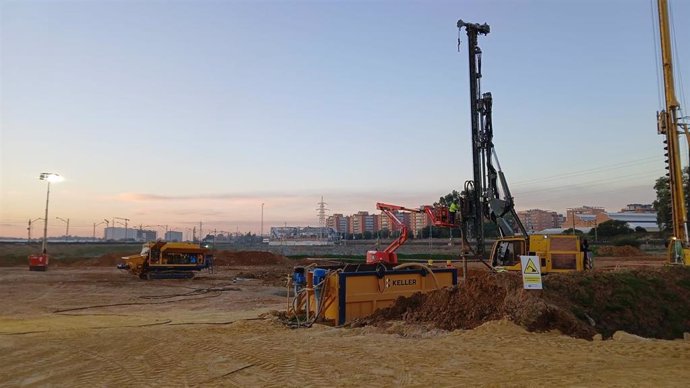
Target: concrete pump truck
[{"x": 670, "y": 126}]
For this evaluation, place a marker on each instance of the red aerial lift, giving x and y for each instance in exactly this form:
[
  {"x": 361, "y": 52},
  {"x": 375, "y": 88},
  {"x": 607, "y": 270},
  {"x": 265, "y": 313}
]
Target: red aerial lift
[{"x": 438, "y": 215}]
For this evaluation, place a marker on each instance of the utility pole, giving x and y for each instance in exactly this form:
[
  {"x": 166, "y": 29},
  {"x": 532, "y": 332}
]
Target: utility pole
[
  {"x": 573, "y": 222},
  {"x": 94, "y": 229},
  {"x": 29, "y": 228},
  {"x": 262, "y": 220},
  {"x": 67, "y": 230},
  {"x": 107, "y": 226}
]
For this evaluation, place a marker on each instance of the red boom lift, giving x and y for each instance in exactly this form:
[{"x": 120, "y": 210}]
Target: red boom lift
[{"x": 438, "y": 216}]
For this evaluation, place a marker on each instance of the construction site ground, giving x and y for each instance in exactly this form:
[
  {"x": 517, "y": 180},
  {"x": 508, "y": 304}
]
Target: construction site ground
[{"x": 89, "y": 324}]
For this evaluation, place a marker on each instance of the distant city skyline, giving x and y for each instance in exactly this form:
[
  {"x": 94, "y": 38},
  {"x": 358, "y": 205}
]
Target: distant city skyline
[
  {"x": 58, "y": 230},
  {"x": 218, "y": 107}
]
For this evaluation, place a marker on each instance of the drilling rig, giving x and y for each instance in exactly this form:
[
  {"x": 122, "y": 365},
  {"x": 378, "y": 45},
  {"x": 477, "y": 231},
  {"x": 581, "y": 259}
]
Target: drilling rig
[
  {"x": 487, "y": 197},
  {"x": 669, "y": 124}
]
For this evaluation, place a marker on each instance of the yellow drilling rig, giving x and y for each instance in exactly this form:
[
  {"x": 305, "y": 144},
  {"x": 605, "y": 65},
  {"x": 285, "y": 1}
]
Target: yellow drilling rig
[
  {"x": 669, "y": 124},
  {"x": 487, "y": 197}
]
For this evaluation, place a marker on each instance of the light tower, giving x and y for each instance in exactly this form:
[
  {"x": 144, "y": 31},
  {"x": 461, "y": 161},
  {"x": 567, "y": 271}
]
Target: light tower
[
  {"x": 40, "y": 262},
  {"x": 48, "y": 177}
]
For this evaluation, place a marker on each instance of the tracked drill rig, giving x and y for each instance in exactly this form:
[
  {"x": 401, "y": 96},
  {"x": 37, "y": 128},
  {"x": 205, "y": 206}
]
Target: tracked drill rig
[
  {"x": 487, "y": 197},
  {"x": 670, "y": 125}
]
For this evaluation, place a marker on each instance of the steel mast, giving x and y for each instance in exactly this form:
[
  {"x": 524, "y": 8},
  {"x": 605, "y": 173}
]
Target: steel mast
[{"x": 668, "y": 125}]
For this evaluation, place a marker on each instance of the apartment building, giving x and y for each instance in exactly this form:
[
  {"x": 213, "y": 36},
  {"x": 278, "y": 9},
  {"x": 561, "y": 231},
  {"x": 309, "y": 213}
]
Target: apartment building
[
  {"x": 585, "y": 217},
  {"x": 339, "y": 223},
  {"x": 363, "y": 222},
  {"x": 418, "y": 221},
  {"x": 535, "y": 220}
]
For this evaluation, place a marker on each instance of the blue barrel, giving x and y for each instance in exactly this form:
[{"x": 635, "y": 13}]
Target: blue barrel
[
  {"x": 298, "y": 278},
  {"x": 319, "y": 275}
]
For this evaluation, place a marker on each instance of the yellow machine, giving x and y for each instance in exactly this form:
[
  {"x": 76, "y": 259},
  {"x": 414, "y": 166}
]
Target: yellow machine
[
  {"x": 162, "y": 259},
  {"x": 669, "y": 125},
  {"x": 558, "y": 253},
  {"x": 338, "y": 294}
]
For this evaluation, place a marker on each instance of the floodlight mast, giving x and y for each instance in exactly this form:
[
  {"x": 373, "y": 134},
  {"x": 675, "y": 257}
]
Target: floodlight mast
[{"x": 49, "y": 177}]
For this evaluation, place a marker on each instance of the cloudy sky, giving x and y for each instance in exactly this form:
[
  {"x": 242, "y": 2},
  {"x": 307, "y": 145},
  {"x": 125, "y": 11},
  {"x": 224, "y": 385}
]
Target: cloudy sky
[{"x": 171, "y": 113}]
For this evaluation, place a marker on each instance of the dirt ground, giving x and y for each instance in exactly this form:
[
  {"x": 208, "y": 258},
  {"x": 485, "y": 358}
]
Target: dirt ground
[{"x": 213, "y": 330}]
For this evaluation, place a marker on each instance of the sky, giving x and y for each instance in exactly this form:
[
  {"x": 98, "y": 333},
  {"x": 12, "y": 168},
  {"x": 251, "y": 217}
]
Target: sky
[{"x": 180, "y": 112}]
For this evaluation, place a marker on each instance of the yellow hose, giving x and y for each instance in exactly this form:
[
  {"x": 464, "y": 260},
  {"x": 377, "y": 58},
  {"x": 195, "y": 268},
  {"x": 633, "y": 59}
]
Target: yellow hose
[{"x": 420, "y": 265}]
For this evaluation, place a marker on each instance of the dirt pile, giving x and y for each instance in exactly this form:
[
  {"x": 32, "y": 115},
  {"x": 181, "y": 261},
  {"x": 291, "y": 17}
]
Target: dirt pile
[
  {"x": 622, "y": 251},
  {"x": 245, "y": 258},
  {"x": 107, "y": 260},
  {"x": 649, "y": 303},
  {"x": 249, "y": 258}
]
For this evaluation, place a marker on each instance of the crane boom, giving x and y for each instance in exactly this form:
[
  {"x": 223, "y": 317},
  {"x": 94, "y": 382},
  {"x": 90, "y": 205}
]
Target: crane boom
[{"x": 388, "y": 255}]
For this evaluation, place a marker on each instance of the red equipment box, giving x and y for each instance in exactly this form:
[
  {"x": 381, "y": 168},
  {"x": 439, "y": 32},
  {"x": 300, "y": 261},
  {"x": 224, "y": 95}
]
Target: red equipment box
[{"x": 38, "y": 262}]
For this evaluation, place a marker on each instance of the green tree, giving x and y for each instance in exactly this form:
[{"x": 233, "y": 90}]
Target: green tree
[
  {"x": 662, "y": 203},
  {"x": 577, "y": 232},
  {"x": 612, "y": 228},
  {"x": 446, "y": 200}
]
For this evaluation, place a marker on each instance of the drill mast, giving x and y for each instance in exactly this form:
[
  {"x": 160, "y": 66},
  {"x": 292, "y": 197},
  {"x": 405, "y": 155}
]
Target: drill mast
[
  {"x": 482, "y": 197},
  {"x": 668, "y": 125}
]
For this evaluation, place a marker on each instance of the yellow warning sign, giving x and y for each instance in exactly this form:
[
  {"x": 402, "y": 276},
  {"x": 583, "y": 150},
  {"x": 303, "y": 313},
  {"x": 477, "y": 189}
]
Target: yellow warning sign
[
  {"x": 530, "y": 267},
  {"x": 531, "y": 272}
]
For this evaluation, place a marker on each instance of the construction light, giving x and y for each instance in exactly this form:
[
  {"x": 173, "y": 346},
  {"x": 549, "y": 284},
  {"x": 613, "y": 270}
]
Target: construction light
[{"x": 51, "y": 177}]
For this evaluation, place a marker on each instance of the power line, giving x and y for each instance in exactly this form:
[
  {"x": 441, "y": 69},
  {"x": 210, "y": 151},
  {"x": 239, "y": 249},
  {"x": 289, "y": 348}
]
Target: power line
[
  {"x": 589, "y": 183},
  {"x": 572, "y": 174}
]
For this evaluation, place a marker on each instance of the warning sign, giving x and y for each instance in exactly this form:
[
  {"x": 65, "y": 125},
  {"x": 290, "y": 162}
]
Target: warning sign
[
  {"x": 531, "y": 272},
  {"x": 530, "y": 267}
]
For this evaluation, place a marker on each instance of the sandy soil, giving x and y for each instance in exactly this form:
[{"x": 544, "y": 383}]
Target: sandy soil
[{"x": 208, "y": 331}]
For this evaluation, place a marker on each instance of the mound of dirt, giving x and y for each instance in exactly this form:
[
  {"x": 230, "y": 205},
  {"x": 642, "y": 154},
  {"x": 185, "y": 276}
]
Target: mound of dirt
[
  {"x": 249, "y": 258},
  {"x": 107, "y": 260},
  {"x": 272, "y": 277},
  {"x": 622, "y": 251},
  {"x": 649, "y": 303}
]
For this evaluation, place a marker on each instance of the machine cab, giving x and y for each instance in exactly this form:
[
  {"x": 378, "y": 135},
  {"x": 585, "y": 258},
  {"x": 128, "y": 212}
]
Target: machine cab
[
  {"x": 557, "y": 253},
  {"x": 506, "y": 252}
]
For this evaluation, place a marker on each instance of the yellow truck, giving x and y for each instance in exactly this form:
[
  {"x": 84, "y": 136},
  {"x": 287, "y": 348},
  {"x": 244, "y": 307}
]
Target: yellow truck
[{"x": 165, "y": 260}]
